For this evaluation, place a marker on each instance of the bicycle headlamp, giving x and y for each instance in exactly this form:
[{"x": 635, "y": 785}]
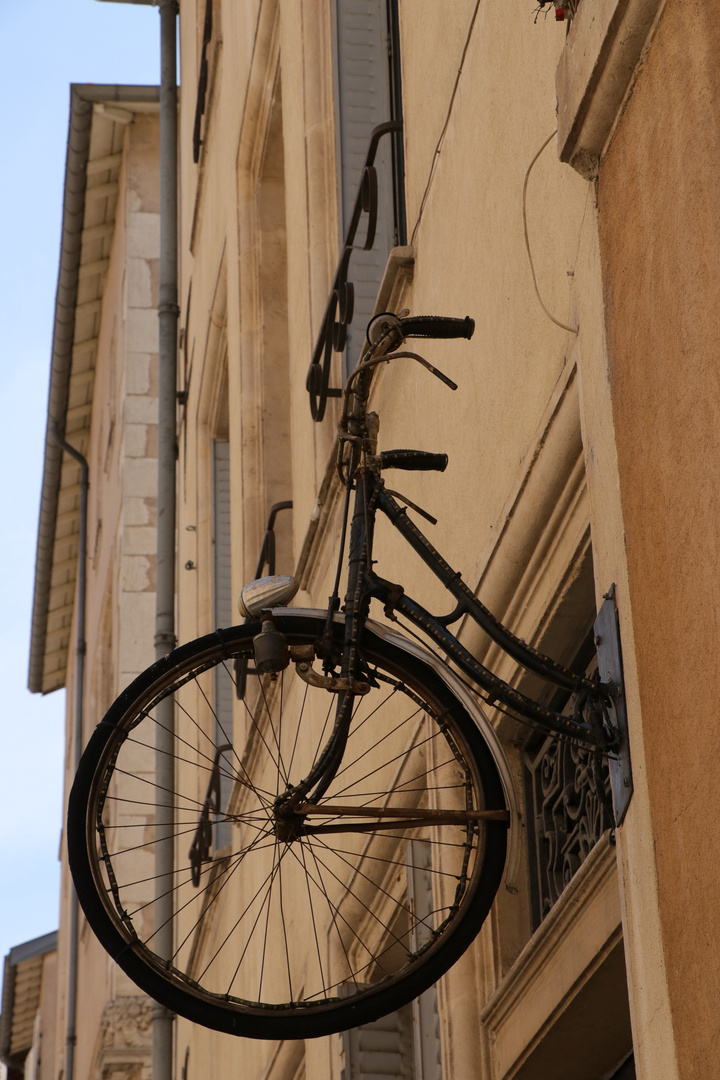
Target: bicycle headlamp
[{"x": 265, "y": 593}]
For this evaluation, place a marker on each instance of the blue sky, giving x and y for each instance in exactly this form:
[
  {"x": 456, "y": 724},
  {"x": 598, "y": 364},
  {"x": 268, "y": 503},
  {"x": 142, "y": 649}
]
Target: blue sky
[{"x": 45, "y": 45}]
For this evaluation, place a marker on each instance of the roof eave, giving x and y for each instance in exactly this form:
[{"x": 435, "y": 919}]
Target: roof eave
[{"x": 82, "y": 100}]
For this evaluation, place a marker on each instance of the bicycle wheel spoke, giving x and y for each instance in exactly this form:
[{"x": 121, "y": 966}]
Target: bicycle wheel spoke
[
  {"x": 257, "y": 919},
  {"x": 370, "y": 749},
  {"x": 284, "y": 928},
  {"x": 312, "y": 916},
  {"x": 259, "y": 792},
  {"x": 238, "y": 862},
  {"x": 334, "y": 910},
  {"x": 401, "y": 907},
  {"x": 276, "y": 737},
  {"x": 268, "y": 900},
  {"x": 230, "y": 868},
  {"x": 391, "y": 761},
  {"x": 297, "y": 728},
  {"x": 186, "y": 761},
  {"x": 387, "y": 929}
]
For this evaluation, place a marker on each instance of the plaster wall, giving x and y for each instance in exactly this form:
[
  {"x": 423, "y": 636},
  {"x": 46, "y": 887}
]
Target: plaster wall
[{"x": 658, "y": 206}]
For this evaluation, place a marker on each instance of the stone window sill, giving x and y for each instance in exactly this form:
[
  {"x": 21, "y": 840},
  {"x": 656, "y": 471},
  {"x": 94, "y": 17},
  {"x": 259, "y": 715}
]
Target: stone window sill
[{"x": 567, "y": 971}]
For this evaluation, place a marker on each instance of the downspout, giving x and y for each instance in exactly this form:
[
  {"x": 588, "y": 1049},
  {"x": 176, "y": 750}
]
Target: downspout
[
  {"x": 71, "y": 1019},
  {"x": 162, "y": 1018}
]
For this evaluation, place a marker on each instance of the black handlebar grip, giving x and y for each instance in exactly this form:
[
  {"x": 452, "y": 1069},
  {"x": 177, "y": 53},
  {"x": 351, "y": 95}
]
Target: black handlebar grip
[
  {"x": 413, "y": 460},
  {"x": 437, "y": 326}
]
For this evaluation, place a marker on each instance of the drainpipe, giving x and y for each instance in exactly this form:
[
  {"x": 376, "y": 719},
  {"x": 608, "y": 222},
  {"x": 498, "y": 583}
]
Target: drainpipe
[
  {"x": 70, "y": 1027},
  {"x": 168, "y": 311},
  {"x": 162, "y": 1018}
]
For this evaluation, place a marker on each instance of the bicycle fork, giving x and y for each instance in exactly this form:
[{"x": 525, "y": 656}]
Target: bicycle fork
[{"x": 350, "y": 684}]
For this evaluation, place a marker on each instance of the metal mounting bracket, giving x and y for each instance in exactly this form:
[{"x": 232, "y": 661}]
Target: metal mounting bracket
[{"x": 609, "y": 654}]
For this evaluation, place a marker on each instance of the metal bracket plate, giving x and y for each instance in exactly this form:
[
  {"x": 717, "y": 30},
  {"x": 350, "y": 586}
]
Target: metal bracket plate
[{"x": 609, "y": 654}]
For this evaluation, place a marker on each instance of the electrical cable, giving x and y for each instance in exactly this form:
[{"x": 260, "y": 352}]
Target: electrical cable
[
  {"x": 562, "y": 325},
  {"x": 438, "y": 145}
]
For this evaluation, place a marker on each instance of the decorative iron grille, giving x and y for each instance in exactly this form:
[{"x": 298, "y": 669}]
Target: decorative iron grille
[{"x": 565, "y": 817}]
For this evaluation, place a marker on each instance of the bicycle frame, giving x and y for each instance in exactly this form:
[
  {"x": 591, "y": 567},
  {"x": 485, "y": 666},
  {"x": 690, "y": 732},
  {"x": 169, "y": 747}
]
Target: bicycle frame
[
  {"x": 371, "y": 497},
  {"x": 360, "y": 467},
  {"x": 359, "y": 429}
]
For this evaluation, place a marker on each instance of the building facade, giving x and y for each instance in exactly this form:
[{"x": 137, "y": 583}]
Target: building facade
[
  {"x": 103, "y": 405},
  {"x": 555, "y": 181}
]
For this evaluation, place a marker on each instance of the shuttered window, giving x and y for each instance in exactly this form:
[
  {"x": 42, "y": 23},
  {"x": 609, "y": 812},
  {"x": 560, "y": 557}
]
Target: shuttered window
[
  {"x": 425, "y": 1017},
  {"x": 367, "y": 94},
  {"x": 380, "y": 1051},
  {"x": 406, "y": 1044},
  {"x": 222, "y": 615}
]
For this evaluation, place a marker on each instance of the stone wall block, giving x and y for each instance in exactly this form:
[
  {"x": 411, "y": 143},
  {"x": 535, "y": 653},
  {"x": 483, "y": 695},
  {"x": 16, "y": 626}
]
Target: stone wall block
[
  {"x": 140, "y": 476},
  {"x": 136, "y": 440},
  {"x": 138, "y": 573},
  {"x": 138, "y": 372},
  {"x": 137, "y": 628},
  {"x": 138, "y": 511},
  {"x": 139, "y": 540},
  {"x": 140, "y": 409},
  {"x": 139, "y": 284},
  {"x": 141, "y": 330},
  {"x": 143, "y": 236}
]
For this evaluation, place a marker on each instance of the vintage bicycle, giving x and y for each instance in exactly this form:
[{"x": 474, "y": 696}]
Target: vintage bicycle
[{"x": 346, "y": 839}]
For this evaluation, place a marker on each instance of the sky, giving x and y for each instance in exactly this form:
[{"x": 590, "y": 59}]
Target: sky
[{"x": 46, "y": 45}]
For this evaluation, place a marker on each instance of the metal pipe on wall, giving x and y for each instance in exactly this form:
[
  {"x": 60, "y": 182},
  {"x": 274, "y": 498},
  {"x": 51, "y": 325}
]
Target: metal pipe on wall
[
  {"x": 168, "y": 311},
  {"x": 71, "y": 1018},
  {"x": 162, "y": 1018}
]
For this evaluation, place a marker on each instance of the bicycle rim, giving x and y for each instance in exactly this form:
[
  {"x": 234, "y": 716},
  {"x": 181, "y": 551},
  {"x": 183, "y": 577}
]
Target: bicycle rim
[{"x": 289, "y": 932}]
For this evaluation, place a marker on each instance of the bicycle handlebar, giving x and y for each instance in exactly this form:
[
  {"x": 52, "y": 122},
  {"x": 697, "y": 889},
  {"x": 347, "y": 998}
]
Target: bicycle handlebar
[
  {"x": 400, "y": 327},
  {"x": 437, "y": 326},
  {"x": 413, "y": 460}
]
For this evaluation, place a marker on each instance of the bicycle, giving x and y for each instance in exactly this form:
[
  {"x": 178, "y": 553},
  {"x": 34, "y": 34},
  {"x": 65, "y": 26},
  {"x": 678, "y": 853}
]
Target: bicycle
[{"x": 363, "y": 831}]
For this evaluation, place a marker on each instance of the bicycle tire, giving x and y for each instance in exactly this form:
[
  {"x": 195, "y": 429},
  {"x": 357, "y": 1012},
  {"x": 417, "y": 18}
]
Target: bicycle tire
[{"x": 349, "y": 945}]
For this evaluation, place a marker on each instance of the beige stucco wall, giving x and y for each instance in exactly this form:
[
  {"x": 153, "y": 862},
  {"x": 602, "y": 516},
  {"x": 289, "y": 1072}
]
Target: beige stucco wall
[{"x": 658, "y": 204}]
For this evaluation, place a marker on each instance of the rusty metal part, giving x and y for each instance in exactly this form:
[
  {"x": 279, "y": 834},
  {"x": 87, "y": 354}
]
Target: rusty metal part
[
  {"x": 390, "y": 592},
  {"x": 336, "y": 684},
  {"x": 423, "y": 815}
]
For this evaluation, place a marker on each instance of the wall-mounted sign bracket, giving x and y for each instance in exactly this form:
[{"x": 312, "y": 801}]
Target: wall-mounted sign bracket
[{"x": 609, "y": 654}]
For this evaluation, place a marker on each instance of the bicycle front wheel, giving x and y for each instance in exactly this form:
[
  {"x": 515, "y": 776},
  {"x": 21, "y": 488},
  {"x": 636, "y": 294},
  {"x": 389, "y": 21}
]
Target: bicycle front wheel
[{"x": 286, "y": 928}]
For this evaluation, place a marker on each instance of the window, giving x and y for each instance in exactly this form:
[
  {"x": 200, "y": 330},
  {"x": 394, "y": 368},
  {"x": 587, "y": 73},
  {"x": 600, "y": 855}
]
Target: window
[
  {"x": 222, "y": 616},
  {"x": 405, "y": 1044},
  {"x": 368, "y": 92}
]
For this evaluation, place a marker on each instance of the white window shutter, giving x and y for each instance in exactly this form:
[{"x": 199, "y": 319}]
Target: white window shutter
[
  {"x": 425, "y": 1016},
  {"x": 363, "y": 102},
  {"x": 222, "y": 582},
  {"x": 405, "y": 1045},
  {"x": 222, "y": 616},
  {"x": 379, "y": 1051}
]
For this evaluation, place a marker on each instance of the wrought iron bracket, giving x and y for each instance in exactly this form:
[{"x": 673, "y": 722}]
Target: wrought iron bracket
[
  {"x": 609, "y": 654},
  {"x": 341, "y": 303}
]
